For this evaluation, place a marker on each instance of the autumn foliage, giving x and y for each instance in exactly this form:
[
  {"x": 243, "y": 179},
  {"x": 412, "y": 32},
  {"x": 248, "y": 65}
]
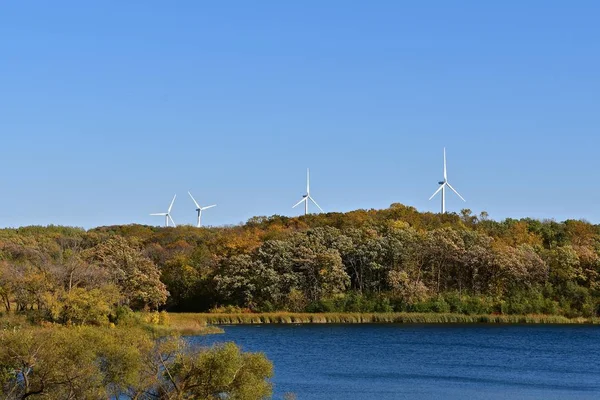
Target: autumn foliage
[{"x": 392, "y": 260}]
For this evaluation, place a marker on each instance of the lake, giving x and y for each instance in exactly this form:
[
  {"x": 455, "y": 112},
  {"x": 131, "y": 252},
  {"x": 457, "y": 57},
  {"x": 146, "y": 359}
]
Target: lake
[{"x": 426, "y": 361}]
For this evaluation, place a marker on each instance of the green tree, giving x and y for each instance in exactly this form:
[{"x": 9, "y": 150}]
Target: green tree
[
  {"x": 222, "y": 372},
  {"x": 564, "y": 265},
  {"x": 136, "y": 275},
  {"x": 95, "y": 363}
]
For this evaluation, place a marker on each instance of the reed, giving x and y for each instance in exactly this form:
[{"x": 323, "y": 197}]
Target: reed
[{"x": 369, "y": 318}]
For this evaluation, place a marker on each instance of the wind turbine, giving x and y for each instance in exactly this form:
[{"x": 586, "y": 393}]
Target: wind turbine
[
  {"x": 307, "y": 196},
  {"x": 443, "y": 184},
  {"x": 200, "y": 209},
  {"x": 167, "y": 215}
]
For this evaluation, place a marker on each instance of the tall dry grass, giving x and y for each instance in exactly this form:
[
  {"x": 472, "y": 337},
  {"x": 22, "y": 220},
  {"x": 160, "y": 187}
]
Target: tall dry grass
[{"x": 362, "y": 318}]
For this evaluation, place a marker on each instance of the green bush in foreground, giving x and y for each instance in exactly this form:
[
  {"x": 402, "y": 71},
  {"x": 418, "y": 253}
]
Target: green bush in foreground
[{"x": 99, "y": 363}]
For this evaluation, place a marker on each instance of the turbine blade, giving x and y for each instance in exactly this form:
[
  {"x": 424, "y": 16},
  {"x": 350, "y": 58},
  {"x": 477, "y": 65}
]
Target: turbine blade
[
  {"x": 445, "y": 169},
  {"x": 207, "y": 207},
  {"x": 194, "y": 200},
  {"x": 437, "y": 191},
  {"x": 454, "y": 190},
  {"x": 318, "y": 206},
  {"x": 161, "y": 214},
  {"x": 171, "y": 218},
  {"x": 171, "y": 206},
  {"x": 300, "y": 202},
  {"x": 307, "y": 181}
]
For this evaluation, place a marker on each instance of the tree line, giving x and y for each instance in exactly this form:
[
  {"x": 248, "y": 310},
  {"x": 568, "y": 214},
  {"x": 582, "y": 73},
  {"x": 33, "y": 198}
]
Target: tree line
[{"x": 396, "y": 259}]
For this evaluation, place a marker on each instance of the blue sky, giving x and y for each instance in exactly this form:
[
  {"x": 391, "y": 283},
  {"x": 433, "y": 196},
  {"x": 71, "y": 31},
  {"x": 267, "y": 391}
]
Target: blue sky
[{"x": 108, "y": 109}]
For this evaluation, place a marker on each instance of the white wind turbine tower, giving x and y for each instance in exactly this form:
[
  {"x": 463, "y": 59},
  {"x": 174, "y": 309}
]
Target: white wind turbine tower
[
  {"x": 167, "y": 215},
  {"x": 443, "y": 184},
  {"x": 200, "y": 209},
  {"x": 307, "y": 196}
]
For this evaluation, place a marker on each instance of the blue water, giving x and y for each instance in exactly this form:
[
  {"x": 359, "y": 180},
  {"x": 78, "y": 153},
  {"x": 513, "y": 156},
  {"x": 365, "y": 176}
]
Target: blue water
[{"x": 426, "y": 361}]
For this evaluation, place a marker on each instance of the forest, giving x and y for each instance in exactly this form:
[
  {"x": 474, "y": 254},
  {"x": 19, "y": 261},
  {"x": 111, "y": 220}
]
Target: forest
[
  {"x": 391, "y": 260},
  {"x": 83, "y": 312}
]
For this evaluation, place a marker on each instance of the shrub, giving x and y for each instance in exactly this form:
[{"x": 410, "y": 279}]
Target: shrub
[
  {"x": 124, "y": 316},
  {"x": 436, "y": 304}
]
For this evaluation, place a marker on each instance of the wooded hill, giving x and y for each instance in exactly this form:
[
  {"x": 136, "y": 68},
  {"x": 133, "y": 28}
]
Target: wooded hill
[{"x": 396, "y": 259}]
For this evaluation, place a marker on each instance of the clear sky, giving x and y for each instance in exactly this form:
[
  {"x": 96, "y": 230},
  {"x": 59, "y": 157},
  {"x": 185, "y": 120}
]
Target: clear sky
[{"x": 109, "y": 108}]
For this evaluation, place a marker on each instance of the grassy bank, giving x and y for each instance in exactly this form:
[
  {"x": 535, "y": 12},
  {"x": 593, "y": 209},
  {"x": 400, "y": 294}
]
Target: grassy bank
[
  {"x": 182, "y": 319},
  {"x": 155, "y": 323},
  {"x": 163, "y": 324}
]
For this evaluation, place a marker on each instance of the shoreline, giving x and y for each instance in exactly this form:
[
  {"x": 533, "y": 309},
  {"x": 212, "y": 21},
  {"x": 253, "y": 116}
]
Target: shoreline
[{"x": 207, "y": 319}]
